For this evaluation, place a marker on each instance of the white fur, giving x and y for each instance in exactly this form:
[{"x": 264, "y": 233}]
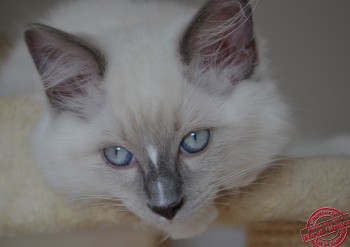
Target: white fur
[
  {"x": 148, "y": 100},
  {"x": 153, "y": 154}
]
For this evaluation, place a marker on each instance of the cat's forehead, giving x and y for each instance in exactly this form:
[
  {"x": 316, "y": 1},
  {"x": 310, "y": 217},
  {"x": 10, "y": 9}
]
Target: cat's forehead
[
  {"x": 145, "y": 66},
  {"x": 153, "y": 115},
  {"x": 148, "y": 93},
  {"x": 148, "y": 81},
  {"x": 141, "y": 119}
]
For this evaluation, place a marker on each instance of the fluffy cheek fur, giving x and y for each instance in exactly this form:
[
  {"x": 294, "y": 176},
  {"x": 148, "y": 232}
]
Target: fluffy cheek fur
[{"x": 248, "y": 130}]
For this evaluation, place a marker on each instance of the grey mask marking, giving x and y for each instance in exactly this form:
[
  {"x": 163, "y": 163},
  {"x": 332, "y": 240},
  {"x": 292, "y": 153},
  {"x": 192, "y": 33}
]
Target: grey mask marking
[{"x": 163, "y": 184}]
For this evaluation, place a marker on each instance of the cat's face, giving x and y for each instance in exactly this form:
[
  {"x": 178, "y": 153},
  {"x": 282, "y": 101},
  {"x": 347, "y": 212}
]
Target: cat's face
[{"x": 164, "y": 127}]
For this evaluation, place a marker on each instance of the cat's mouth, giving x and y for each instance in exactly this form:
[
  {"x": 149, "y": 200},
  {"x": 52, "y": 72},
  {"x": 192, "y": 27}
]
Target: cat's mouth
[
  {"x": 187, "y": 213},
  {"x": 188, "y": 223},
  {"x": 168, "y": 212}
]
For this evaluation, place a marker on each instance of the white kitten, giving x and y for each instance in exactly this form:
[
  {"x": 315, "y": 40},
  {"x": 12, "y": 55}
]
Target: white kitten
[{"x": 152, "y": 104}]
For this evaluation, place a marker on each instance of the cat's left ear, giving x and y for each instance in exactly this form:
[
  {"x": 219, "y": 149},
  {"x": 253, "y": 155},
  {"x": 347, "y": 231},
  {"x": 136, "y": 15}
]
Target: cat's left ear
[
  {"x": 71, "y": 69},
  {"x": 218, "y": 48}
]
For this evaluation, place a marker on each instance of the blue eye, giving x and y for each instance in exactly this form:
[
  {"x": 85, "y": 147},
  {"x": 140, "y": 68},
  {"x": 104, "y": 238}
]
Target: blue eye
[
  {"x": 118, "y": 156},
  {"x": 195, "y": 141}
]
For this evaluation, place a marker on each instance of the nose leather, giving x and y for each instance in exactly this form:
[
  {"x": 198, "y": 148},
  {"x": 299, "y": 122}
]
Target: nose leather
[{"x": 168, "y": 211}]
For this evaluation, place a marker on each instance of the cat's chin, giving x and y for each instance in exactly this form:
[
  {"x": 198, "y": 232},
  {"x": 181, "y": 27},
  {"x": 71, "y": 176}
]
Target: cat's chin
[{"x": 192, "y": 226}]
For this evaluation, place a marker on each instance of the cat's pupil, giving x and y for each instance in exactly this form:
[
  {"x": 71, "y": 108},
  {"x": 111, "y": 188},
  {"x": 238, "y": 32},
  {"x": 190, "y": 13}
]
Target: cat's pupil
[
  {"x": 193, "y": 134},
  {"x": 117, "y": 150}
]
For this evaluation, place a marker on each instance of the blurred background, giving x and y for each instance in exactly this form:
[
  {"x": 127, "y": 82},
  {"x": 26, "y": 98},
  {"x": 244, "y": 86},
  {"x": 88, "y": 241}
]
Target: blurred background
[{"x": 308, "y": 45}]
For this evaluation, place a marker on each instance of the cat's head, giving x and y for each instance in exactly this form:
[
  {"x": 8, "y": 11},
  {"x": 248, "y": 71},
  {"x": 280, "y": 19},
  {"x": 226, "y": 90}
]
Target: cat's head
[{"x": 163, "y": 121}]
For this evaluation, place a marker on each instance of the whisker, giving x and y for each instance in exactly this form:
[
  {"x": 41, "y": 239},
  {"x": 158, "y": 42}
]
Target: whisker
[{"x": 239, "y": 173}]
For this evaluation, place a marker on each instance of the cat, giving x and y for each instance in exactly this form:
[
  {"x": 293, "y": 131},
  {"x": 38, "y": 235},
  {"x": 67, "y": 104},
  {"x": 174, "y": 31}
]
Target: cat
[{"x": 159, "y": 105}]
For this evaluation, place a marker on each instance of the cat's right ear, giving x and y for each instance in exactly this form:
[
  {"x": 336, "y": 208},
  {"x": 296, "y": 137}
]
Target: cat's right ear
[
  {"x": 218, "y": 48},
  {"x": 71, "y": 69}
]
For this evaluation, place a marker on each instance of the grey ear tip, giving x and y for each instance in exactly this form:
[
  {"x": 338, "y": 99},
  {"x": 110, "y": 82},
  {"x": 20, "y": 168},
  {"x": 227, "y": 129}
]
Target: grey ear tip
[
  {"x": 32, "y": 31},
  {"x": 35, "y": 27},
  {"x": 29, "y": 30},
  {"x": 30, "y": 26},
  {"x": 28, "y": 34}
]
